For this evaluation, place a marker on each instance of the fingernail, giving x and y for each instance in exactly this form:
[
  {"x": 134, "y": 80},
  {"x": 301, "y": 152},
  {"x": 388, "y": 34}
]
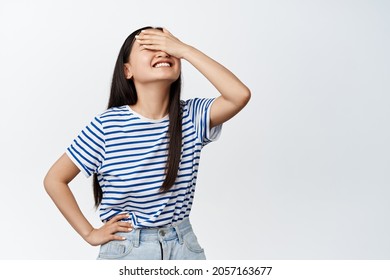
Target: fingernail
[
  {"x": 123, "y": 238},
  {"x": 130, "y": 229}
]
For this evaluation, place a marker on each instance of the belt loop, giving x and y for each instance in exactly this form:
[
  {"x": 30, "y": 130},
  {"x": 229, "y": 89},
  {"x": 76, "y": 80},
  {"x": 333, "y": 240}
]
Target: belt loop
[
  {"x": 179, "y": 234},
  {"x": 136, "y": 237}
]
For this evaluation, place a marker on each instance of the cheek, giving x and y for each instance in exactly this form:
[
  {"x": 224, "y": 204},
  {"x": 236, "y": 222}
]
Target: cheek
[
  {"x": 140, "y": 66},
  {"x": 178, "y": 66},
  {"x": 140, "y": 60},
  {"x": 178, "y": 62}
]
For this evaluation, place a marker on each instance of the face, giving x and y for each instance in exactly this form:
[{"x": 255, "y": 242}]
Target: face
[{"x": 147, "y": 66}]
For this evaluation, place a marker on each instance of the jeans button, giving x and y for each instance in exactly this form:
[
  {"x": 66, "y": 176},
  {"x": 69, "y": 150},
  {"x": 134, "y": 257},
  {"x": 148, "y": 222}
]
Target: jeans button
[{"x": 162, "y": 233}]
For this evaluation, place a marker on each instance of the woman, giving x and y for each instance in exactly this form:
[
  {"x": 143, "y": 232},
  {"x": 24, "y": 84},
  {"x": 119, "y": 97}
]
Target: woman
[{"x": 144, "y": 150}]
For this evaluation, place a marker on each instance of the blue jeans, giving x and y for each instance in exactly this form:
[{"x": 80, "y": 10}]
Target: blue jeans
[{"x": 176, "y": 242}]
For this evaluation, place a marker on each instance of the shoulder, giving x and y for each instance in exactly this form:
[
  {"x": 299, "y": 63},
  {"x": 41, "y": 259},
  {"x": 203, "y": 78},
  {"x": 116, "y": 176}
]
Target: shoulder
[
  {"x": 187, "y": 105},
  {"x": 113, "y": 113},
  {"x": 197, "y": 103},
  {"x": 109, "y": 115},
  {"x": 196, "y": 100}
]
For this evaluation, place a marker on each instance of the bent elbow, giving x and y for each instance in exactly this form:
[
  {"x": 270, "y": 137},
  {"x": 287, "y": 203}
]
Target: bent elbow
[
  {"x": 245, "y": 97},
  {"x": 46, "y": 182},
  {"x": 49, "y": 182}
]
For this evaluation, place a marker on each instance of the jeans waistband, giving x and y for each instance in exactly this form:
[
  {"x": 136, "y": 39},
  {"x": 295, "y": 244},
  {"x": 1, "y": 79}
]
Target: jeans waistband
[{"x": 174, "y": 231}]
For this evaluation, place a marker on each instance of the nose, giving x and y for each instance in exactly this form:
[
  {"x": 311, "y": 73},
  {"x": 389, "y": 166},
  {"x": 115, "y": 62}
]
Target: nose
[{"x": 162, "y": 54}]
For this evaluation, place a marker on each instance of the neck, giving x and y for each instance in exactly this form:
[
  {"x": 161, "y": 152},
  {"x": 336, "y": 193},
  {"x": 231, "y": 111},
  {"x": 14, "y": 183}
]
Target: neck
[{"x": 152, "y": 101}]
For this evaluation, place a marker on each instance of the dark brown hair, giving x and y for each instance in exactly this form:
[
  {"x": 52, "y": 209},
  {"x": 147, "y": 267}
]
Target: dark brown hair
[{"x": 123, "y": 92}]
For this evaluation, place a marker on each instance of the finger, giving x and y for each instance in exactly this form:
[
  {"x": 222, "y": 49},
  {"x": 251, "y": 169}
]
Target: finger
[
  {"x": 145, "y": 36},
  {"x": 117, "y": 237},
  {"x": 148, "y": 38},
  {"x": 119, "y": 217},
  {"x": 123, "y": 229},
  {"x": 121, "y": 226},
  {"x": 146, "y": 42},
  {"x": 160, "y": 36},
  {"x": 125, "y": 224},
  {"x": 151, "y": 34},
  {"x": 152, "y": 47},
  {"x": 151, "y": 31}
]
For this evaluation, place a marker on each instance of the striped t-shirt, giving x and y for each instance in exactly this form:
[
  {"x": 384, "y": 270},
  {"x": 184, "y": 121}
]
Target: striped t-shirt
[{"x": 129, "y": 154}]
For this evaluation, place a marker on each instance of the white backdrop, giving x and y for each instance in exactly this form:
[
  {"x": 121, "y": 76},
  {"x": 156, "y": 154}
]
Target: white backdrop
[{"x": 301, "y": 173}]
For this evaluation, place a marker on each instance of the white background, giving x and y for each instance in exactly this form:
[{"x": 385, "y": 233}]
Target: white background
[{"x": 301, "y": 173}]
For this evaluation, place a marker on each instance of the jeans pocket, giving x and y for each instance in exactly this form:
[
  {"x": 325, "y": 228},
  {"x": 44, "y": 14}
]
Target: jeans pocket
[
  {"x": 192, "y": 243},
  {"x": 115, "y": 249}
]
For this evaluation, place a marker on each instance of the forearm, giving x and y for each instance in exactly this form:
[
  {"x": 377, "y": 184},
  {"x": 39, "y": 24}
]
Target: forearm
[
  {"x": 228, "y": 85},
  {"x": 66, "y": 203}
]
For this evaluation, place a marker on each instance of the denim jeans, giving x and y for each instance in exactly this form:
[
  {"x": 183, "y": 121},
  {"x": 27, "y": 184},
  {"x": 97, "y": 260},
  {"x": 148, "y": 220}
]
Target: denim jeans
[{"x": 176, "y": 242}]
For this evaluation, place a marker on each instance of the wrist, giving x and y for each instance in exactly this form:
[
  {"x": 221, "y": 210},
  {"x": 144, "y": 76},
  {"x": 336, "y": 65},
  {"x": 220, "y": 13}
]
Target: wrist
[
  {"x": 187, "y": 52},
  {"x": 87, "y": 233}
]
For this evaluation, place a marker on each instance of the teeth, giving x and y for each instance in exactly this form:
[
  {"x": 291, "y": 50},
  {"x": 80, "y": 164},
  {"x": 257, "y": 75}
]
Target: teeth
[{"x": 162, "y": 64}]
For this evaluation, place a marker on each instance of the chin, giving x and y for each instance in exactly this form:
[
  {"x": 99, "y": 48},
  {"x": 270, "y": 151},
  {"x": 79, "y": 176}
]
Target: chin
[{"x": 170, "y": 78}]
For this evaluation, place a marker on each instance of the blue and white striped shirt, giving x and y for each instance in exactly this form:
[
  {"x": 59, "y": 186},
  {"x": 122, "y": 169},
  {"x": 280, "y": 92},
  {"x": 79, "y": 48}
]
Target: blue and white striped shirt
[{"x": 129, "y": 154}]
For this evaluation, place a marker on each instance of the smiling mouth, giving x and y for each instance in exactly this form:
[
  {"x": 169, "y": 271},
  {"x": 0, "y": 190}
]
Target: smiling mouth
[{"x": 162, "y": 64}]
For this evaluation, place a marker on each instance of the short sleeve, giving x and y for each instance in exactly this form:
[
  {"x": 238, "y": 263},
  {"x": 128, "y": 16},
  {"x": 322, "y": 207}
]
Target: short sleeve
[
  {"x": 199, "y": 112},
  {"x": 87, "y": 149}
]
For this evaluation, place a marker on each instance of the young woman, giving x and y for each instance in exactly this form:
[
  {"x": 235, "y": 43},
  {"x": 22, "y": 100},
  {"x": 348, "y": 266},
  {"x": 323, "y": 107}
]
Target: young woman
[{"x": 144, "y": 150}]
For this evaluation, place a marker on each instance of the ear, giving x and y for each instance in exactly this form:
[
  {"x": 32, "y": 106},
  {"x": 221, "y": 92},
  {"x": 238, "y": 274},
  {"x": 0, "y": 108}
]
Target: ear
[{"x": 128, "y": 72}]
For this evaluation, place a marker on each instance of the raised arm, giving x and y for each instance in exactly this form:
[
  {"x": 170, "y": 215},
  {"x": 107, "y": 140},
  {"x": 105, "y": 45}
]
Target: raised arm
[{"x": 234, "y": 94}]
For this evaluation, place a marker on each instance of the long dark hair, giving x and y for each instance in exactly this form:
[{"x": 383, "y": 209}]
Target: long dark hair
[{"x": 123, "y": 92}]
